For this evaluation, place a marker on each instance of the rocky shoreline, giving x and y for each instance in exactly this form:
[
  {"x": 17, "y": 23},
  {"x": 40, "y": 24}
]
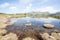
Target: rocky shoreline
[{"x": 26, "y": 34}]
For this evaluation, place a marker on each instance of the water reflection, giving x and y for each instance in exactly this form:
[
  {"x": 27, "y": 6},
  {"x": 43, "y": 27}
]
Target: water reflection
[{"x": 36, "y": 23}]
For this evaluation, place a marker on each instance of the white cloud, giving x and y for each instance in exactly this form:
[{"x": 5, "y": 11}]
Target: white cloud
[
  {"x": 13, "y": 8},
  {"x": 43, "y": 1},
  {"x": 28, "y": 8},
  {"x": 25, "y": 1},
  {"x": 4, "y": 5},
  {"x": 46, "y": 9},
  {"x": 29, "y": 1},
  {"x": 43, "y": 9},
  {"x": 49, "y": 9}
]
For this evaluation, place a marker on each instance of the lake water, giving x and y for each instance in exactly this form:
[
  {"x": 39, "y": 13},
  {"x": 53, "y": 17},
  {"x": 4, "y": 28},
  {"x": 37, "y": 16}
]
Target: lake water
[{"x": 37, "y": 24}]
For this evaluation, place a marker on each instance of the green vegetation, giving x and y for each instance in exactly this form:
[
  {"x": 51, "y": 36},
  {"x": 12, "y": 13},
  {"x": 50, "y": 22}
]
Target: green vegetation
[
  {"x": 56, "y": 15},
  {"x": 13, "y": 15},
  {"x": 30, "y": 14},
  {"x": 33, "y": 15}
]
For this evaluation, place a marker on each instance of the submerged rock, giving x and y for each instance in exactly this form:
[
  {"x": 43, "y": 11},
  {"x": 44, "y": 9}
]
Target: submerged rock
[
  {"x": 48, "y": 26},
  {"x": 28, "y": 24}
]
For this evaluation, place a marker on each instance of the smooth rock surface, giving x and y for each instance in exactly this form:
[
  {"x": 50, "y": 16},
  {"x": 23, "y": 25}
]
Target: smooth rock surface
[
  {"x": 28, "y": 38},
  {"x": 45, "y": 36},
  {"x": 55, "y": 35},
  {"x": 3, "y": 31},
  {"x": 10, "y": 36},
  {"x": 51, "y": 38},
  {"x": 48, "y": 26},
  {"x": 10, "y": 23},
  {"x": 3, "y": 25}
]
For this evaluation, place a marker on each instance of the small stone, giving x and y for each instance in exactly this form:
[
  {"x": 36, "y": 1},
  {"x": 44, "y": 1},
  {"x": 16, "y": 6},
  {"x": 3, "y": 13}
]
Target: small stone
[{"x": 27, "y": 25}]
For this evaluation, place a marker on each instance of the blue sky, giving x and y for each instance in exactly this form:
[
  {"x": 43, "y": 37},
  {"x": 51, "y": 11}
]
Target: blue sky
[{"x": 21, "y": 6}]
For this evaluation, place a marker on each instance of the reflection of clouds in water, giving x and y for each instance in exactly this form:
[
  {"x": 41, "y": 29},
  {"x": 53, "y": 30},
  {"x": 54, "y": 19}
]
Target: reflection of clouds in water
[
  {"x": 26, "y": 18},
  {"x": 45, "y": 20},
  {"x": 13, "y": 20},
  {"x": 48, "y": 20},
  {"x": 36, "y": 21}
]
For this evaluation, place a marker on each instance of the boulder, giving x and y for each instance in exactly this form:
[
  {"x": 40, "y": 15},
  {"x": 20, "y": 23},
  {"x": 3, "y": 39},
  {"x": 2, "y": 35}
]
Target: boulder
[
  {"x": 4, "y": 20},
  {"x": 10, "y": 23},
  {"x": 46, "y": 36},
  {"x": 55, "y": 31},
  {"x": 10, "y": 36},
  {"x": 48, "y": 26},
  {"x": 3, "y": 31},
  {"x": 3, "y": 25},
  {"x": 59, "y": 34},
  {"x": 55, "y": 35},
  {"x": 51, "y": 38},
  {"x": 28, "y": 38}
]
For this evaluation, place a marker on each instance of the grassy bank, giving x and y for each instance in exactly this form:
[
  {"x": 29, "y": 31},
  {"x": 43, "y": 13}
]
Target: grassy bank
[
  {"x": 30, "y": 14},
  {"x": 33, "y": 15},
  {"x": 14, "y": 15}
]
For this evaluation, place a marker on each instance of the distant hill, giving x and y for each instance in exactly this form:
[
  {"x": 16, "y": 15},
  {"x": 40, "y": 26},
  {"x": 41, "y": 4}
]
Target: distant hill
[
  {"x": 2, "y": 13},
  {"x": 32, "y": 14},
  {"x": 55, "y": 15},
  {"x": 37, "y": 14}
]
